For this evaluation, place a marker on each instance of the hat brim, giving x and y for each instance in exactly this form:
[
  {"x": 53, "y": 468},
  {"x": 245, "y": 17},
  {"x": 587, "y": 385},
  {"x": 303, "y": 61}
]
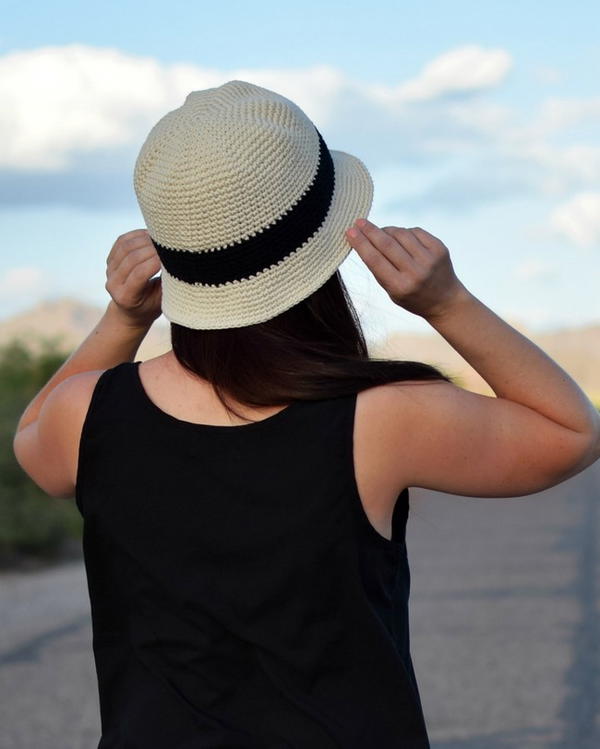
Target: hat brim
[{"x": 278, "y": 288}]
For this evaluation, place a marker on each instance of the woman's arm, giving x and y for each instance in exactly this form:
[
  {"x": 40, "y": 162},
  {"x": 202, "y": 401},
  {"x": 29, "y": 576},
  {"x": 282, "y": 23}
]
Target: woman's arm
[
  {"x": 114, "y": 340},
  {"x": 135, "y": 304},
  {"x": 539, "y": 430},
  {"x": 45, "y": 435},
  {"x": 513, "y": 366}
]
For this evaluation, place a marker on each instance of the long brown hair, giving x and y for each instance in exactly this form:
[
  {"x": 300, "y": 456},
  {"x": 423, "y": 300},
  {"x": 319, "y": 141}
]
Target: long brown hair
[{"x": 316, "y": 349}]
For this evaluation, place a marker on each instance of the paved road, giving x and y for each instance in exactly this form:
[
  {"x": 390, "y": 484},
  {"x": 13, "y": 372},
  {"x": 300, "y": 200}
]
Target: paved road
[
  {"x": 504, "y": 617},
  {"x": 505, "y": 628}
]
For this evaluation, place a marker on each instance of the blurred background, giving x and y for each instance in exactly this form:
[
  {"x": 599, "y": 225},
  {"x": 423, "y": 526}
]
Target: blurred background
[{"x": 478, "y": 122}]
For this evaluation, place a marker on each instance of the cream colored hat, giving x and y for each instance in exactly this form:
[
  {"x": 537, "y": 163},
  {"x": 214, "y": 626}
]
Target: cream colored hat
[{"x": 245, "y": 204}]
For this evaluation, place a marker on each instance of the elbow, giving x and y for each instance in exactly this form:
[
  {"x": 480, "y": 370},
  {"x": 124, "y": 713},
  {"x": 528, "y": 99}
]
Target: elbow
[
  {"x": 593, "y": 441},
  {"x": 585, "y": 452},
  {"x": 595, "y": 446}
]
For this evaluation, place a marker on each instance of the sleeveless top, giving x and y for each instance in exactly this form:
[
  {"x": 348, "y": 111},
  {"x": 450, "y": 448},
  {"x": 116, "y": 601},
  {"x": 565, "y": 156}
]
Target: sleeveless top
[{"x": 239, "y": 595}]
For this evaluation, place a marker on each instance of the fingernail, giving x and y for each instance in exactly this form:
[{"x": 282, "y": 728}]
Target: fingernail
[
  {"x": 352, "y": 232},
  {"x": 361, "y": 222}
]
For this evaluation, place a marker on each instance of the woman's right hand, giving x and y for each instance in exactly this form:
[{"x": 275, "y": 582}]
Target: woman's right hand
[
  {"x": 538, "y": 430},
  {"x": 412, "y": 265}
]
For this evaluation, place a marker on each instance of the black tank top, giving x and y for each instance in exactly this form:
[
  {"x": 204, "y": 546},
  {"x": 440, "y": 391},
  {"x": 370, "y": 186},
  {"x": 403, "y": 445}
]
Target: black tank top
[{"x": 239, "y": 595}]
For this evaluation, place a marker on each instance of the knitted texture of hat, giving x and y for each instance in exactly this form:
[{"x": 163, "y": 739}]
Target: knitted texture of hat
[{"x": 246, "y": 205}]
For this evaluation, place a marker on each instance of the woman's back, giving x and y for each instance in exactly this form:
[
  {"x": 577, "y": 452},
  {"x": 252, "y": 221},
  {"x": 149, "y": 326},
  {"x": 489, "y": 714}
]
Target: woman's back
[{"x": 240, "y": 596}]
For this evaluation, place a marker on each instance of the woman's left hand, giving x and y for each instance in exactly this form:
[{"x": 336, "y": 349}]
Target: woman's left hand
[{"x": 130, "y": 265}]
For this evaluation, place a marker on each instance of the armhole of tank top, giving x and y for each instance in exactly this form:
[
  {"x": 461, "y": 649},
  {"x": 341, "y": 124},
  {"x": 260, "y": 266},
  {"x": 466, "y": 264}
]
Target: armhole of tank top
[
  {"x": 82, "y": 450},
  {"x": 395, "y": 543}
]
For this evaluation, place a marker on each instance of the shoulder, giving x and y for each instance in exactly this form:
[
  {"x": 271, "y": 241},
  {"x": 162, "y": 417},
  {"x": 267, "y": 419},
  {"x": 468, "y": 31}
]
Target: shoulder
[
  {"x": 390, "y": 400},
  {"x": 388, "y": 411},
  {"x": 80, "y": 382},
  {"x": 388, "y": 418},
  {"x": 66, "y": 407},
  {"x": 67, "y": 404},
  {"x": 47, "y": 448},
  {"x": 387, "y": 414},
  {"x": 74, "y": 392}
]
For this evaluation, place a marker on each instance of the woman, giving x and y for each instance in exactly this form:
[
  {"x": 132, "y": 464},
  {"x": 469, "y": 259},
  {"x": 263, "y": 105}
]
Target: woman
[{"x": 245, "y": 495}]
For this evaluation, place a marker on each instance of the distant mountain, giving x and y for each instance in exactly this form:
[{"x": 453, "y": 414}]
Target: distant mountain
[
  {"x": 576, "y": 350},
  {"x": 68, "y": 321}
]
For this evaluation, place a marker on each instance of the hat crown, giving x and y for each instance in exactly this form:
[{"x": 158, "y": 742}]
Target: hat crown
[
  {"x": 227, "y": 163},
  {"x": 246, "y": 205}
]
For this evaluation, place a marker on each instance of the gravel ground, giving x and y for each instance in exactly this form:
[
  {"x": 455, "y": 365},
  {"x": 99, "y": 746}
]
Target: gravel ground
[{"x": 505, "y": 628}]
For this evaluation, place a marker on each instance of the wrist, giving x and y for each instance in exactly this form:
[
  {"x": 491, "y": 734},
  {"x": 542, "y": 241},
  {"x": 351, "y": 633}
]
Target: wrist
[
  {"x": 456, "y": 300},
  {"x": 117, "y": 316}
]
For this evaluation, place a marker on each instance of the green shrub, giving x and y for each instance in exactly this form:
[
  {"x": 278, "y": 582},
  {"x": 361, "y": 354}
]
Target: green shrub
[{"x": 31, "y": 522}]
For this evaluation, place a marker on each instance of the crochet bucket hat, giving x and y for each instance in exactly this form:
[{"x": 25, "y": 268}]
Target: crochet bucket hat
[{"x": 245, "y": 204}]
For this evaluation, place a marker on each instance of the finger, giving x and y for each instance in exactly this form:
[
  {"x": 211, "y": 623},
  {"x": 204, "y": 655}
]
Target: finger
[
  {"x": 433, "y": 244},
  {"x": 143, "y": 271},
  {"x": 384, "y": 270},
  {"x": 119, "y": 251},
  {"x": 128, "y": 289},
  {"x": 379, "y": 265},
  {"x": 134, "y": 233},
  {"x": 125, "y": 240},
  {"x": 135, "y": 248},
  {"x": 387, "y": 245},
  {"x": 410, "y": 241},
  {"x": 121, "y": 268},
  {"x": 130, "y": 235}
]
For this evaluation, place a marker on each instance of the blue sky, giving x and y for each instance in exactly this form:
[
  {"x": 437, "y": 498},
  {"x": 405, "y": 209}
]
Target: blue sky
[{"x": 478, "y": 121}]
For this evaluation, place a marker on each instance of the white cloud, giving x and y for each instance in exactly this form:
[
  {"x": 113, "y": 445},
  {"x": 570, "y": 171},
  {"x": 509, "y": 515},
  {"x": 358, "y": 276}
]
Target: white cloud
[
  {"x": 556, "y": 170},
  {"x": 486, "y": 117},
  {"x": 567, "y": 166},
  {"x": 535, "y": 315},
  {"x": 534, "y": 269},
  {"x": 25, "y": 279},
  {"x": 74, "y": 116},
  {"x": 462, "y": 70},
  {"x": 61, "y": 102},
  {"x": 578, "y": 220},
  {"x": 557, "y": 113}
]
